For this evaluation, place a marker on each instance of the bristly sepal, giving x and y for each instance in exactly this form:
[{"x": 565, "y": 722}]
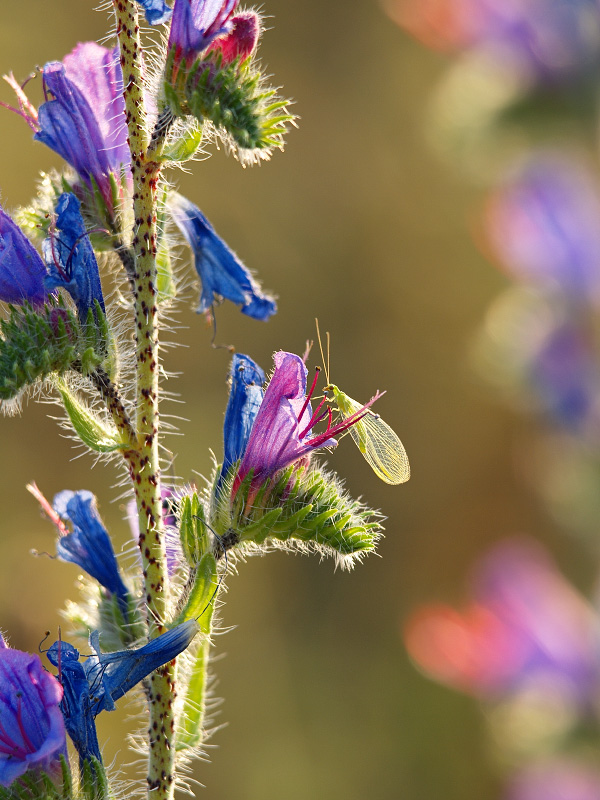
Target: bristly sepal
[
  {"x": 36, "y": 343},
  {"x": 303, "y": 506},
  {"x": 234, "y": 97}
]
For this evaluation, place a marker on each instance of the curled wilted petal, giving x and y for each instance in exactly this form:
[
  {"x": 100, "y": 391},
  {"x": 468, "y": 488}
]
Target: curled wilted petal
[
  {"x": 70, "y": 257},
  {"x": 94, "y": 685},
  {"x": 221, "y": 272},
  {"x": 242, "y": 39}
]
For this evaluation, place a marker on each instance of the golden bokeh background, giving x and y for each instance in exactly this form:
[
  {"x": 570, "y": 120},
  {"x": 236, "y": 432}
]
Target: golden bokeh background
[{"x": 357, "y": 224}]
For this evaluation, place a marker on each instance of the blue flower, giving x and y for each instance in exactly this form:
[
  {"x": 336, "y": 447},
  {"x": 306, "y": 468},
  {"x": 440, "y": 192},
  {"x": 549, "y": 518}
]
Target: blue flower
[
  {"x": 88, "y": 545},
  {"x": 32, "y": 731},
  {"x": 157, "y": 11},
  {"x": 221, "y": 272},
  {"x": 544, "y": 225},
  {"x": 94, "y": 685},
  {"x": 22, "y": 270},
  {"x": 70, "y": 257},
  {"x": 84, "y": 122},
  {"x": 245, "y": 397}
]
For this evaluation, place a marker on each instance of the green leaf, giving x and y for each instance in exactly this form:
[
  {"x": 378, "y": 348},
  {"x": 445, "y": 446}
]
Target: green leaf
[
  {"x": 89, "y": 429},
  {"x": 202, "y": 594},
  {"x": 165, "y": 283}
]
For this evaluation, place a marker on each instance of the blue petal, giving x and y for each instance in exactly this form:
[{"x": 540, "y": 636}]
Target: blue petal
[
  {"x": 245, "y": 397},
  {"x": 111, "y": 675},
  {"x": 221, "y": 272},
  {"x": 157, "y": 11},
  {"x": 70, "y": 257},
  {"x": 88, "y": 545},
  {"x": 22, "y": 270},
  {"x": 76, "y": 704}
]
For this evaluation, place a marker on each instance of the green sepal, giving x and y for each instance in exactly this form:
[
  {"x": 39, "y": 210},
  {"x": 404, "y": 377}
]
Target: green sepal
[
  {"x": 304, "y": 505},
  {"x": 184, "y": 145},
  {"x": 93, "y": 783},
  {"x": 234, "y": 98},
  {"x": 90, "y": 430},
  {"x": 193, "y": 532},
  {"x": 119, "y": 627},
  {"x": 36, "y": 785},
  {"x": 190, "y": 731},
  {"x": 202, "y": 593},
  {"x": 35, "y": 343}
]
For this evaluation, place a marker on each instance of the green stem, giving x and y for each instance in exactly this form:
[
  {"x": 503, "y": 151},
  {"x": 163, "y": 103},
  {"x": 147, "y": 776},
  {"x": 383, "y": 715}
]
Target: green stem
[{"x": 144, "y": 462}]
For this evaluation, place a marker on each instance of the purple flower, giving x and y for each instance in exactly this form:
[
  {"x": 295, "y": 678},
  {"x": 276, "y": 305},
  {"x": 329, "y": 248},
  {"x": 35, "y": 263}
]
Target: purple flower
[
  {"x": 22, "y": 270},
  {"x": 70, "y": 258},
  {"x": 32, "y": 731},
  {"x": 282, "y": 431},
  {"x": 195, "y": 25},
  {"x": 83, "y": 119},
  {"x": 245, "y": 397},
  {"x": 559, "y": 779},
  {"x": 221, "y": 272},
  {"x": 550, "y": 39},
  {"x": 544, "y": 226}
]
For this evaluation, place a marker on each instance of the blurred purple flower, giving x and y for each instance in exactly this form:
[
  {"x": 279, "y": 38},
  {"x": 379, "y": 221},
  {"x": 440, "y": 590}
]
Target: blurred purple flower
[
  {"x": 525, "y": 626},
  {"x": 565, "y": 378},
  {"x": 32, "y": 731},
  {"x": 544, "y": 226},
  {"x": 196, "y": 24},
  {"x": 22, "y": 271},
  {"x": 559, "y": 779},
  {"x": 551, "y": 39},
  {"x": 221, "y": 272},
  {"x": 282, "y": 431}
]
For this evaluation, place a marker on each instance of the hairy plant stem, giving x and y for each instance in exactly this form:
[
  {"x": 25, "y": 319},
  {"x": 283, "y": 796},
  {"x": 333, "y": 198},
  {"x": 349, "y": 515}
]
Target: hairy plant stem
[{"x": 144, "y": 462}]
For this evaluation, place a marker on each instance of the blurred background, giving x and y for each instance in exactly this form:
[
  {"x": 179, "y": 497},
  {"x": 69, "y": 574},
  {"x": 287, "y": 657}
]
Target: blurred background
[{"x": 361, "y": 224}]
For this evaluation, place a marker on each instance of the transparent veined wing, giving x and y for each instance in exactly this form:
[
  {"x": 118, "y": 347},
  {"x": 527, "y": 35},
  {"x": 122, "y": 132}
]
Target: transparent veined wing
[{"x": 380, "y": 446}]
